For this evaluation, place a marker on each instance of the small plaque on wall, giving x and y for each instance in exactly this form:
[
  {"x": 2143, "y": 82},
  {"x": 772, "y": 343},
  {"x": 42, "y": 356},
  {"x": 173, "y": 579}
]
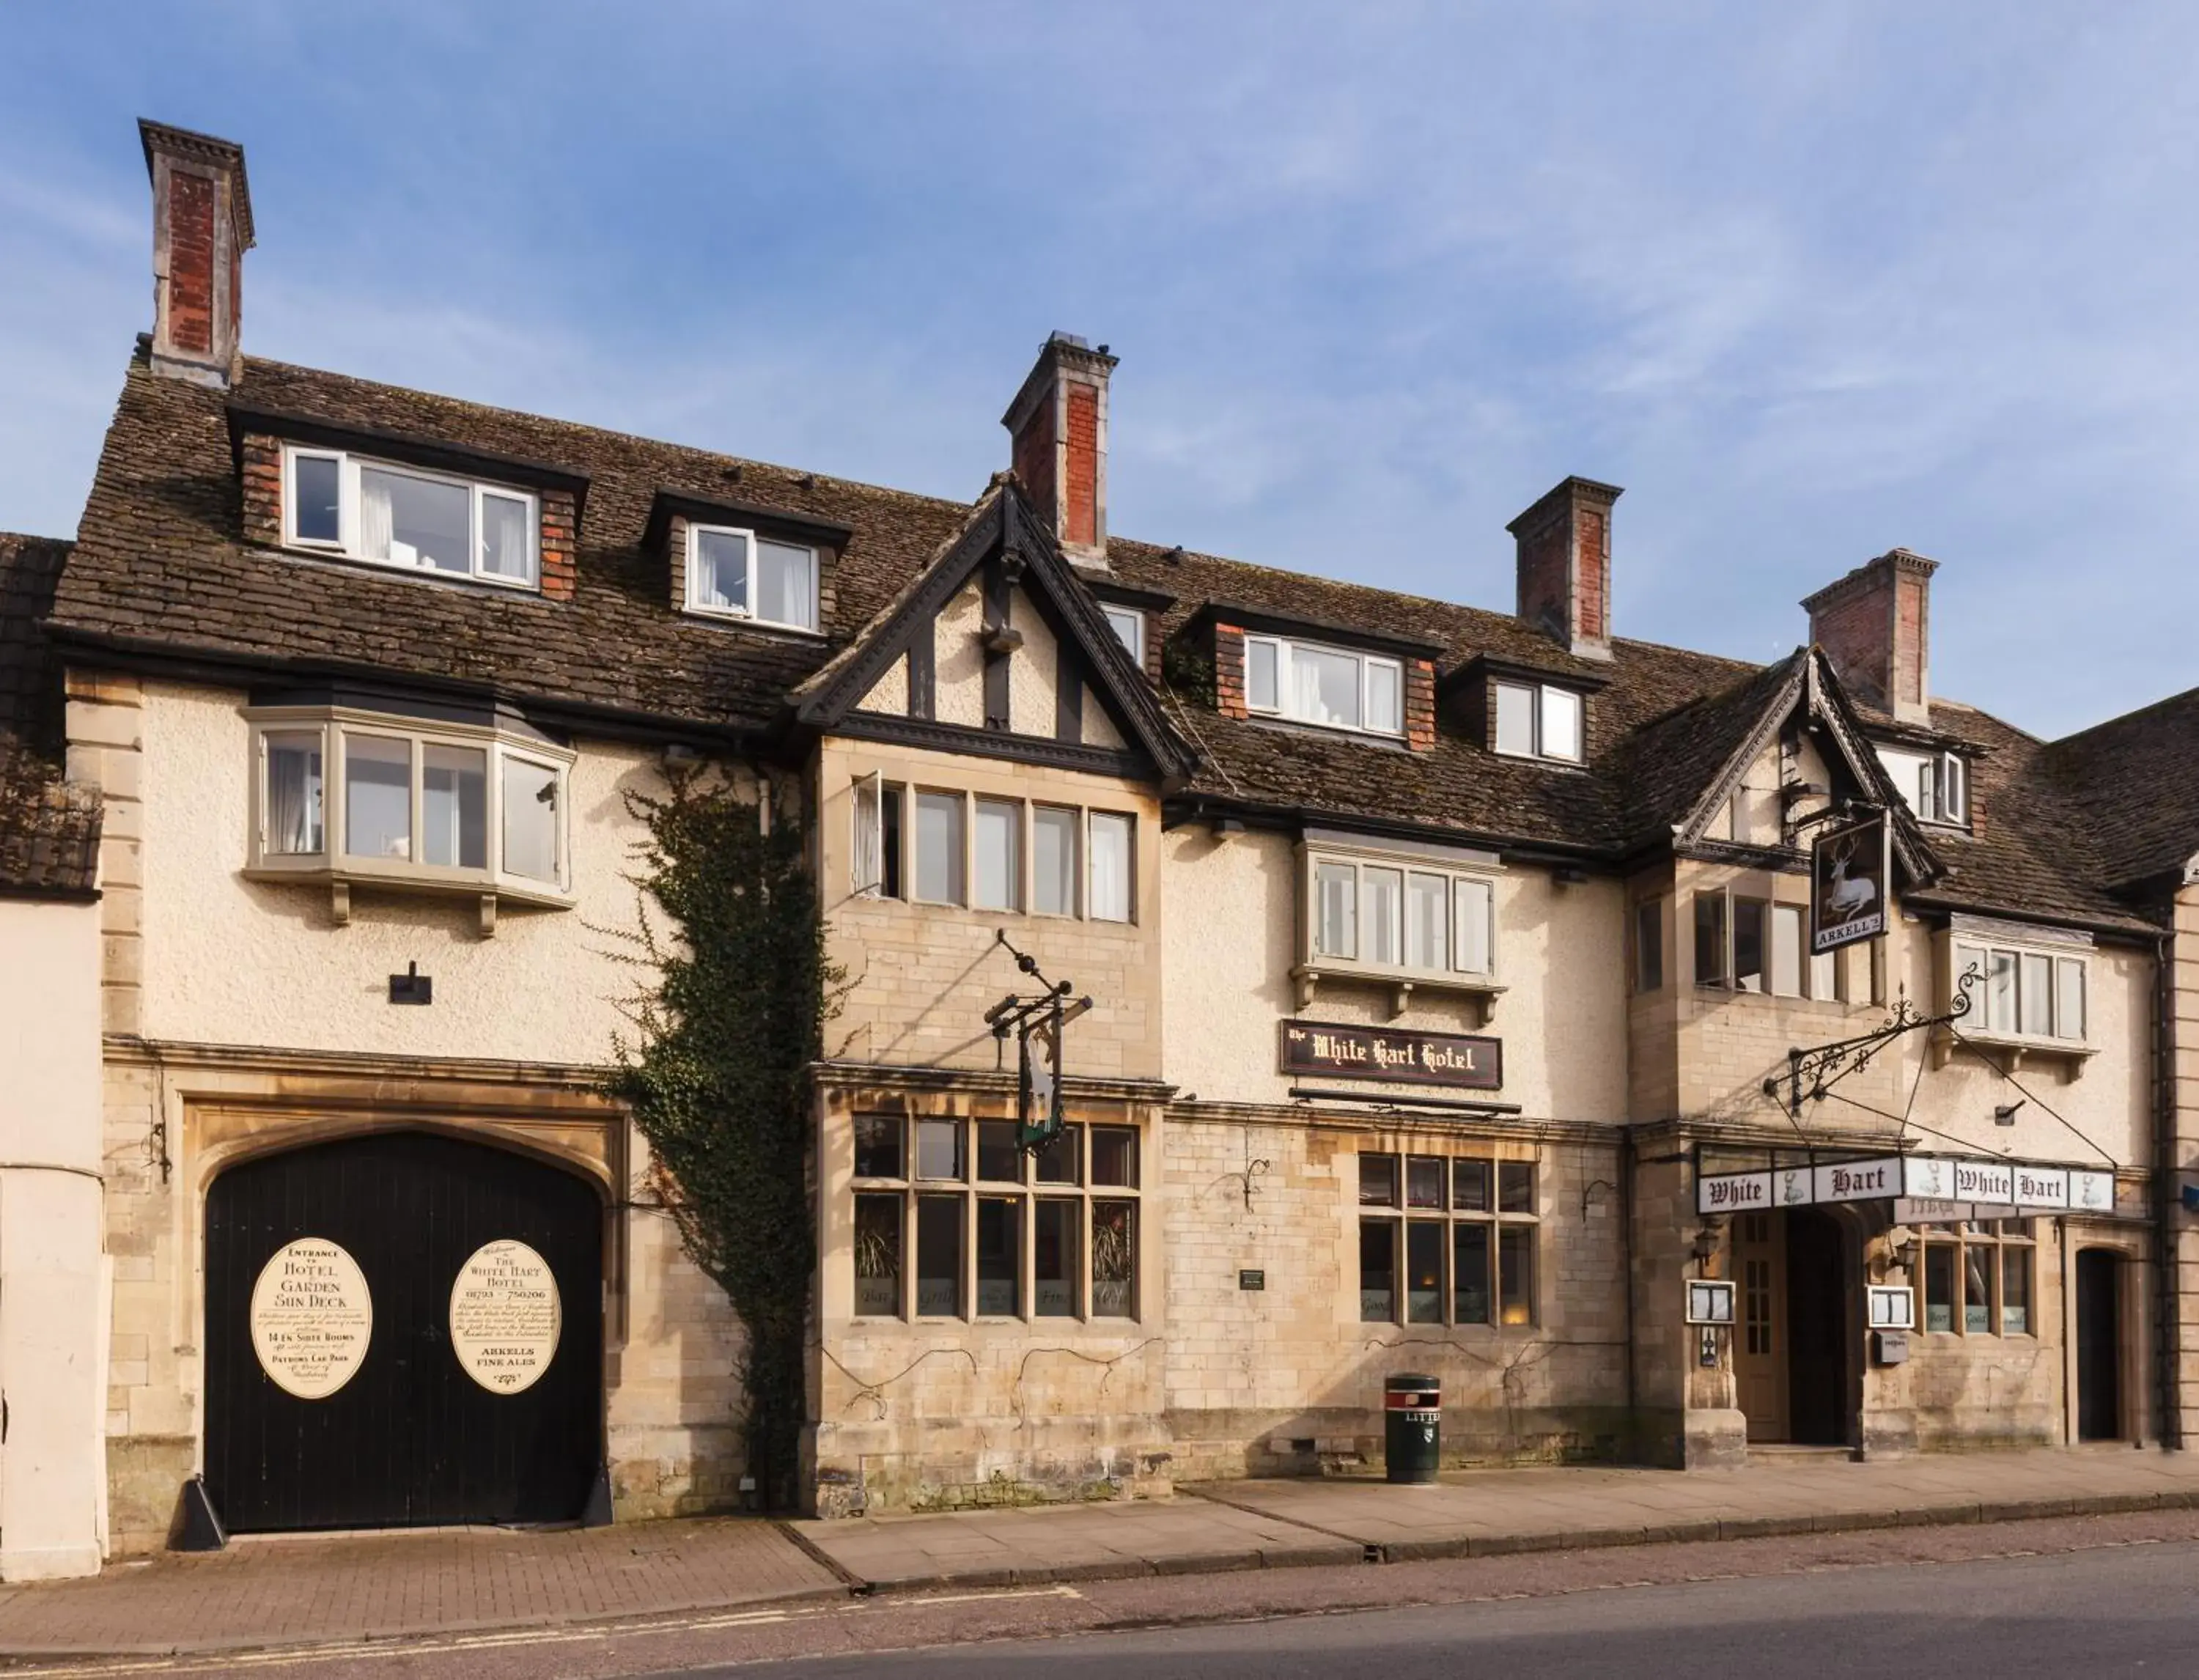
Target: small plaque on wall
[{"x": 1251, "y": 1279}]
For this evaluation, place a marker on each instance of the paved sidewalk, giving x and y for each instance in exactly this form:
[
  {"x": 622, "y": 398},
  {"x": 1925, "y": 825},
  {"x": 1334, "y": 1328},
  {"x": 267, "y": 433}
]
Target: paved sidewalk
[
  {"x": 301, "y": 1589},
  {"x": 306, "y": 1590},
  {"x": 1484, "y": 1512}
]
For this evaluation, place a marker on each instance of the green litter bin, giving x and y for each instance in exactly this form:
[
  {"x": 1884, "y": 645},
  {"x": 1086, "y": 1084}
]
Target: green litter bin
[{"x": 1412, "y": 1418}]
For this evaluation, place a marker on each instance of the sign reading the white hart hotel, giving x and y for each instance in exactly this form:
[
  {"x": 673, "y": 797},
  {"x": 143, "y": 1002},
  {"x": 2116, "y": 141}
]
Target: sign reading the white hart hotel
[
  {"x": 1410, "y": 1058},
  {"x": 311, "y": 1318},
  {"x": 505, "y": 1316}
]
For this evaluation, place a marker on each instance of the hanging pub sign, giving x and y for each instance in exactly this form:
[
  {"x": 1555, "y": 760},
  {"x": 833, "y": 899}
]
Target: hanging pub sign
[
  {"x": 1849, "y": 870},
  {"x": 1451, "y": 1059}
]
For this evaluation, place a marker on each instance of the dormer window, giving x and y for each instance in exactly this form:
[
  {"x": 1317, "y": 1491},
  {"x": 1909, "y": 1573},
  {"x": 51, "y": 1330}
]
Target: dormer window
[
  {"x": 736, "y": 573},
  {"x": 1333, "y": 687},
  {"x": 411, "y": 518},
  {"x": 1538, "y": 720},
  {"x": 1935, "y": 784},
  {"x": 1129, "y": 625}
]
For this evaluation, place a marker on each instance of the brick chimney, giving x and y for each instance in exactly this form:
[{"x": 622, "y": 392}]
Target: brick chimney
[
  {"x": 202, "y": 228},
  {"x": 1874, "y": 625},
  {"x": 1058, "y": 420},
  {"x": 1564, "y": 565}
]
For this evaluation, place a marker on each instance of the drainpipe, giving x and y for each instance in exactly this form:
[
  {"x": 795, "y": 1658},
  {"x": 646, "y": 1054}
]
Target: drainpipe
[
  {"x": 1626, "y": 1169},
  {"x": 2168, "y": 1335}
]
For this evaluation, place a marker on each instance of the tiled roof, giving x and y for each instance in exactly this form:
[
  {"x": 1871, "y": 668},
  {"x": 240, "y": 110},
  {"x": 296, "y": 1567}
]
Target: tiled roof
[
  {"x": 2135, "y": 780},
  {"x": 161, "y": 562},
  {"x": 49, "y": 826}
]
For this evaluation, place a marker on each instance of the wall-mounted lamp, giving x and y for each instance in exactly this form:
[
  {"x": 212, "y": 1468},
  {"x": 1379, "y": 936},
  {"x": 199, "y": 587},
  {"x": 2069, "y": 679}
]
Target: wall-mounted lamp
[
  {"x": 679, "y": 755},
  {"x": 1569, "y": 876},
  {"x": 2004, "y": 1113},
  {"x": 1901, "y": 1247},
  {"x": 1227, "y": 829},
  {"x": 412, "y": 986},
  {"x": 1706, "y": 1244}
]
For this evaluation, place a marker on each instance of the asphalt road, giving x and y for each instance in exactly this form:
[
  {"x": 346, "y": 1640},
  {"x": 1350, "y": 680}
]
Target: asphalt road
[{"x": 2129, "y": 1610}]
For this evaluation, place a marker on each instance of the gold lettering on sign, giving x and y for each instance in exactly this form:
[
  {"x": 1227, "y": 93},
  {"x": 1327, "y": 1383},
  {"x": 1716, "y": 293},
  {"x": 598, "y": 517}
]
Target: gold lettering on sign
[
  {"x": 311, "y": 1318},
  {"x": 505, "y": 1316}
]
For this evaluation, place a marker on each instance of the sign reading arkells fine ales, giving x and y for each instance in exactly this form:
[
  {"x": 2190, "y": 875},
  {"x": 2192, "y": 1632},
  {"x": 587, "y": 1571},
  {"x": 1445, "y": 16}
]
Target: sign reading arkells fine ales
[{"x": 1341, "y": 1052}]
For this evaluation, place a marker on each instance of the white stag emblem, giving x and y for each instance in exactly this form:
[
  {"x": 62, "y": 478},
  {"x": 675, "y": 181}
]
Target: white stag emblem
[{"x": 1845, "y": 898}]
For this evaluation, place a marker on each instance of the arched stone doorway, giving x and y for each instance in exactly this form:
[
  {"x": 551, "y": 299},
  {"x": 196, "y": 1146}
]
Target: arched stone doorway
[{"x": 402, "y": 1328}]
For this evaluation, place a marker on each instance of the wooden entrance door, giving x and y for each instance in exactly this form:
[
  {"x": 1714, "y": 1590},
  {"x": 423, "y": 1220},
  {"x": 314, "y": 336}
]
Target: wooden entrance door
[
  {"x": 1759, "y": 1341},
  {"x": 1817, "y": 1324},
  {"x": 503, "y": 1424},
  {"x": 2099, "y": 1345}
]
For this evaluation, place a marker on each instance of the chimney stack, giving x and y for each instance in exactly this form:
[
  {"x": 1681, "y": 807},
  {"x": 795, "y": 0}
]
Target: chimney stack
[
  {"x": 1564, "y": 566},
  {"x": 1058, "y": 420},
  {"x": 1874, "y": 626},
  {"x": 202, "y": 228}
]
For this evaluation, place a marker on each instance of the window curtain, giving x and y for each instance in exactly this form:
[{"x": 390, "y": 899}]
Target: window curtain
[
  {"x": 377, "y": 521},
  {"x": 503, "y": 536},
  {"x": 293, "y": 798},
  {"x": 1305, "y": 693}
]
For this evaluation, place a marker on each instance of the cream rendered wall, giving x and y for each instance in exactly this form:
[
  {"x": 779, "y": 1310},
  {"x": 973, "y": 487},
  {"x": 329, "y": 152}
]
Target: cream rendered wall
[
  {"x": 232, "y": 961},
  {"x": 958, "y": 671},
  {"x": 889, "y": 693},
  {"x": 1031, "y": 670},
  {"x": 53, "y": 1464},
  {"x": 1229, "y": 911}
]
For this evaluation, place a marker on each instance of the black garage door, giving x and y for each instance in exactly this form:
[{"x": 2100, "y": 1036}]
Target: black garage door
[{"x": 336, "y": 1395}]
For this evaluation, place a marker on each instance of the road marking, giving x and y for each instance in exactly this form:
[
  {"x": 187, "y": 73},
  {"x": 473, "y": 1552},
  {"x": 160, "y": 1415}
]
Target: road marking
[{"x": 428, "y": 1644}]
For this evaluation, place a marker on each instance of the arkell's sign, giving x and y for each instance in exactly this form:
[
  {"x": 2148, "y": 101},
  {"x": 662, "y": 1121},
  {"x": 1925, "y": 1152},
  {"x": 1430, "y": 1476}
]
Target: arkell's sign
[
  {"x": 1913, "y": 1181},
  {"x": 1336, "y": 1051},
  {"x": 1848, "y": 878}
]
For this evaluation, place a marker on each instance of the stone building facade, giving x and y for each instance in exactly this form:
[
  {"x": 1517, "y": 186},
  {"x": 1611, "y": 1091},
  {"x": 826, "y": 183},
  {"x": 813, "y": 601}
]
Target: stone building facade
[{"x": 1441, "y": 989}]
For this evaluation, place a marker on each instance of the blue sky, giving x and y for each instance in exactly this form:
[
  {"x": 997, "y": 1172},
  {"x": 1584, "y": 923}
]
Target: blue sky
[{"x": 1810, "y": 280}]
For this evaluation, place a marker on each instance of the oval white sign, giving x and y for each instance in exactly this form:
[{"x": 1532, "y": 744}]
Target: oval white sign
[
  {"x": 505, "y": 1316},
  {"x": 311, "y": 1318}
]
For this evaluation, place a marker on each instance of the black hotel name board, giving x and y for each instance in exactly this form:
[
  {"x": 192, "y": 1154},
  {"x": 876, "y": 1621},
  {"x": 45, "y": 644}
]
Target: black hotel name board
[{"x": 1335, "y": 1051}]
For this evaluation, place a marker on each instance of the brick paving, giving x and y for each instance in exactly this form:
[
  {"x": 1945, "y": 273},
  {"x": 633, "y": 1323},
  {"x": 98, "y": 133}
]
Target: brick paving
[{"x": 301, "y": 1590}]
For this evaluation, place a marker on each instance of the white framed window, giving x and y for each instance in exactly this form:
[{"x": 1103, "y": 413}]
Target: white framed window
[
  {"x": 1398, "y": 919},
  {"x": 1334, "y": 687},
  {"x": 2019, "y": 993},
  {"x": 939, "y": 846},
  {"x": 1111, "y": 851},
  {"x": 345, "y": 796},
  {"x": 997, "y": 855},
  {"x": 1129, "y": 625},
  {"x": 734, "y": 572},
  {"x": 1539, "y": 721},
  {"x": 411, "y": 518},
  {"x": 1935, "y": 786}
]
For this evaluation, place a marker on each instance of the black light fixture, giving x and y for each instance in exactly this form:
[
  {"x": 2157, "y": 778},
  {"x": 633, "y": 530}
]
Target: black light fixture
[
  {"x": 412, "y": 986},
  {"x": 2004, "y": 1113}
]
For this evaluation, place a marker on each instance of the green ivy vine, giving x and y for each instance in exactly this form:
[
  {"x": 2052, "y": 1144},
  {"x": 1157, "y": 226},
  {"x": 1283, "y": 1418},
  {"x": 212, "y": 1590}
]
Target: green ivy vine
[{"x": 726, "y": 1026}]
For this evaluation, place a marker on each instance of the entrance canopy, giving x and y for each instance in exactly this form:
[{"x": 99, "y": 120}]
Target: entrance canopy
[{"x": 1927, "y": 1188}]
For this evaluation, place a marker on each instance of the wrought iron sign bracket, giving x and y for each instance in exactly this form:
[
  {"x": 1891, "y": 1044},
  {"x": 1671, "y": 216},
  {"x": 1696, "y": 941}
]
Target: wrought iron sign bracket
[
  {"x": 1042, "y": 1017},
  {"x": 1812, "y": 1074}
]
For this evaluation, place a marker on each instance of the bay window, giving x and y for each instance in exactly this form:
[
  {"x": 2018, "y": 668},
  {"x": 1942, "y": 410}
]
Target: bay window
[
  {"x": 410, "y": 517},
  {"x": 733, "y": 572},
  {"x": 341, "y": 796},
  {"x": 1334, "y": 687},
  {"x": 2020, "y": 994},
  {"x": 1372, "y": 914}
]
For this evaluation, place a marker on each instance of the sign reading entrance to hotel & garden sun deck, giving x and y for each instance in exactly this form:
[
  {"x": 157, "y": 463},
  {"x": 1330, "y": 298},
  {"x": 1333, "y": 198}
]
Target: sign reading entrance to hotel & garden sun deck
[
  {"x": 505, "y": 1316},
  {"x": 311, "y": 1318},
  {"x": 1411, "y": 1058},
  {"x": 1848, "y": 878}
]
